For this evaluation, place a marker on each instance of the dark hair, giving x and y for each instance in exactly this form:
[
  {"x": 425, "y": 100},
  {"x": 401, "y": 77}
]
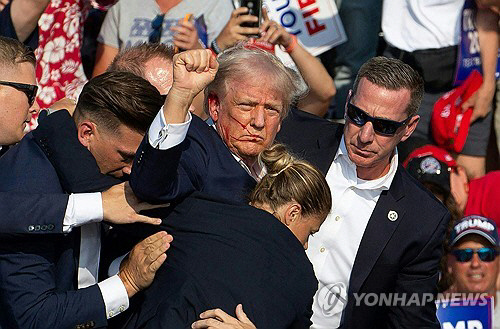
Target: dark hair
[
  {"x": 288, "y": 179},
  {"x": 115, "y": 98},
  {"x": 14, "y": 52},
  {"x": 393, "y": 74},
  {"x": 133, "y": 59}
]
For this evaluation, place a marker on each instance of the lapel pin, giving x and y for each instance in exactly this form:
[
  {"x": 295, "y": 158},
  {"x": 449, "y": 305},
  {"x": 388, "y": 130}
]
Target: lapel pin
[{"x": 392, "y": 215}]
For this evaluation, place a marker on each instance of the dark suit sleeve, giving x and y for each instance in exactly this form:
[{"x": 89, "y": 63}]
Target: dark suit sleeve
[
  {"x": 420, "y": 277},
  {"x": 160, "y": 176},
  {"x": 32, "y": 213},
  {"x": 76, "y": 168},
  {"x": 29, "y": 298}
]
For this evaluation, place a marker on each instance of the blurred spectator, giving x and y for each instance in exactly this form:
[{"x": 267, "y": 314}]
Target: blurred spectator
[
  {"x": 473, "y": 259},
  {"x": 130, "y": 22},
  {"x": 321, "y": 87},
  {"x": 17, "y": 90},
  {"x": 361, "y": 21},
  {"x": 425, "y": 35},
  {"x": 436, "y": 169},
  {"x": 59, "y": 68},
  {"x": 18, "y": 20}
]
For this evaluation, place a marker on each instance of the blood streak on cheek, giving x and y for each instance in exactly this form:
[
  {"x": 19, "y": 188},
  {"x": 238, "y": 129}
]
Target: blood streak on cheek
[{"x": 241, "y": 124}]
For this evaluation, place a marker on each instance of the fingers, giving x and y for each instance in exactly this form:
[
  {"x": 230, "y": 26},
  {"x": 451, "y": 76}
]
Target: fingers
[
  {"x": 197, "y": 60},
  {"x": 216, "y": 313},
  {"x": 145, "y": 219},
  {"x": 239, "y": 11},
  {"x": 246, "y": 19},
  {"x": 207, "y": 323},
  {"x": 241, "y": 315},
  {"x": 265, "y": 16}
]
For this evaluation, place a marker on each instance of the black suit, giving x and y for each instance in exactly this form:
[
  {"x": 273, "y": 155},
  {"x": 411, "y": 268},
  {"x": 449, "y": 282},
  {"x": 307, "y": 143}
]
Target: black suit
[
  {"x": 400, "y": 256},
  {"x": 202, "y": 162},
  {"x": 38, "y": 272},
  {"x": 224, "y": 254}
]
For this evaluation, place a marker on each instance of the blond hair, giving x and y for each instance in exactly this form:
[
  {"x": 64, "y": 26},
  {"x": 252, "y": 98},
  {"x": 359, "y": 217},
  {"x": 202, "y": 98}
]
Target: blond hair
[{"x": 291, "y": 179}]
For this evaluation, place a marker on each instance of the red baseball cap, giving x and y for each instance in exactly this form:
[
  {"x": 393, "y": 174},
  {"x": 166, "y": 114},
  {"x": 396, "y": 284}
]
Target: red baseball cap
[{"x": 449, "y": 124}]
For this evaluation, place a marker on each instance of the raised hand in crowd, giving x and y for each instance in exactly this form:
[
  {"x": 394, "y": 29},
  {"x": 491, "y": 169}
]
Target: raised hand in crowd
[
  {"x": 138, "y": 270},
  {"x": 186, "y": 36},
  {"x": 217, "y": 318},
  {"x": 320, "y": 83},
  {"x": 193, "y": 71},
  {"x": 487, "y": 28},
  {"x": 121, "y": 206},
  {"x": 64, "y": 104},
  {"x": 233, "y": 32}
]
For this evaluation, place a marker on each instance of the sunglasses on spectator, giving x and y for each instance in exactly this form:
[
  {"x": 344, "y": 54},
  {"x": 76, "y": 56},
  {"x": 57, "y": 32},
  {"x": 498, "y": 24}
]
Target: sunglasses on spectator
[
  {"x": 465, "y": 255},
  {"x": 156, "y": 25},
  {"x": 384, "y": 127},
  {"x": 28, "y": 90}
]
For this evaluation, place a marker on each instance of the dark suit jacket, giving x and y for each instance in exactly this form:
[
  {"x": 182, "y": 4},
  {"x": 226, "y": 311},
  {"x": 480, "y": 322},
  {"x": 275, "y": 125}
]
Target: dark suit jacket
[
  {"x": 42, "y": 213},
  {"x": 202, "y": 162},
  {"x": 38, "y": 272},
  {"x": 399, "y": 256},
  {"x": 224, "y": 254}
]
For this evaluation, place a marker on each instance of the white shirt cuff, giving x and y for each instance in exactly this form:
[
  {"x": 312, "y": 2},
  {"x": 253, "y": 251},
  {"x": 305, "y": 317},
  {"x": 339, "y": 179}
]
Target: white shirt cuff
[
  {"x": 114, "y": 295},
  {"x": 164, "y": 136},
  {"x": 82, "y": 208}
]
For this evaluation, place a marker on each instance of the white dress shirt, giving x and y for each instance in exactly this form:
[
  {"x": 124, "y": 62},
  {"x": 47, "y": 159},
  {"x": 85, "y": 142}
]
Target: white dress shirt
[
  {"x": 333, "y": 249},
  {"x": 422, "y": 24}
]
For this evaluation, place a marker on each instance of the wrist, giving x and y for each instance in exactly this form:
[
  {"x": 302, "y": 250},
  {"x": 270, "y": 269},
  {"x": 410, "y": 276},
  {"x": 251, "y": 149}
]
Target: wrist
[
  {"x": 129, "y": 286},
  {"x": 215, "y": 47},
  {"x": 292, "y": 44}
]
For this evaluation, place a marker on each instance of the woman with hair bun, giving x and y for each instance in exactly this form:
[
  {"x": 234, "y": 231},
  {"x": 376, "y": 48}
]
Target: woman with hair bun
[{"x": 225, "y": 254}]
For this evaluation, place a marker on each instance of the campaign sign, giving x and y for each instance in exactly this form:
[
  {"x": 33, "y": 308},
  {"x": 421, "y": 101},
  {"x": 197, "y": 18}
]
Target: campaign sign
[
  {"x": 469, "y": 56},
  {"x": 316, "y": 23},
  {"x": 465, "y": 313}
]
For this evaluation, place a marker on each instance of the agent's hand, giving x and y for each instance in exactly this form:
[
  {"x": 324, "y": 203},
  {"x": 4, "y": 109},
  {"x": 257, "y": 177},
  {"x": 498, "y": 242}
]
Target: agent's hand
[
  {"x": 64, "y": 104},
  {"x": 186, "y": 36},
  {"x": 138, "y": 270},
  {"x": 219, "y": 319},
  {"x": 121, "y": 206},
  {"x": 233, "y": 32},
  {"x": 273, "y": 32}
]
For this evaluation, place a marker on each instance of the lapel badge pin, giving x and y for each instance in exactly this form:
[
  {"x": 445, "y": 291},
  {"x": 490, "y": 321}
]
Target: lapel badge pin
[{"x": 392, "y": 215}]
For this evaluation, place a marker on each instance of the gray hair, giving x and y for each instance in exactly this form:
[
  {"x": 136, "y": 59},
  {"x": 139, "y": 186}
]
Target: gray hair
[
  {"x": 239, "y": 63},
  {"x": 393, "y": 74}
]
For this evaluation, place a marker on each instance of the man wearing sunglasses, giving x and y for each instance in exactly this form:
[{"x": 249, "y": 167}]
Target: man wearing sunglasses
[
  {"x": 472, "y": 261},
  {"x": 385, "y": 231}
]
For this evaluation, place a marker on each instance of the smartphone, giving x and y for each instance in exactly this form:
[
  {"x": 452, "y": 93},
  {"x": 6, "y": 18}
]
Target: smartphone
[{"x": 254, "y": 9}]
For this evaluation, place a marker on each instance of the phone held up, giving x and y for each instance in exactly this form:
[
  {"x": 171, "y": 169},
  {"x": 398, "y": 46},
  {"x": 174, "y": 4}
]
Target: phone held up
[{"x": 254, "y": 9}]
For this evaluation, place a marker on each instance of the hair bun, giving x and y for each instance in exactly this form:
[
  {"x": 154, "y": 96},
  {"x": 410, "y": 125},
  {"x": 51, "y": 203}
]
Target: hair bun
[{"x": 277, "y": 159}]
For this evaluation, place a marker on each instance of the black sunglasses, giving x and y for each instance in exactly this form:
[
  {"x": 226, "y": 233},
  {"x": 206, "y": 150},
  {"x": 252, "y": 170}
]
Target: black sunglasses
[
  {"x": 156, "y": 25},
  {"x": 28, "y": 90},
  {"x": 465, "y": 255},
  {"x": 384, "y": 127}
]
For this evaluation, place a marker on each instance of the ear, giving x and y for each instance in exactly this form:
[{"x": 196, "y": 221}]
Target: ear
[
  {"x": 213, "y": 106},
  {"x": 86, "y": 133},
  {"x": 293, "y": 213},
  {"x": 410, "y": 127}
]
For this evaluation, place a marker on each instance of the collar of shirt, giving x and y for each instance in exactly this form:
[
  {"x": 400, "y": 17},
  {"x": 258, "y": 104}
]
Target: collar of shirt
[
  {"x": 382, "y": 183},
  {"x": 257, "y": 171}
]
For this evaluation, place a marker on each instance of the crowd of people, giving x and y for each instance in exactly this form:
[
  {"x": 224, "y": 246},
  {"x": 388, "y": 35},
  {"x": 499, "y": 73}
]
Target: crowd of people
[{"x": 192, "y": 179}]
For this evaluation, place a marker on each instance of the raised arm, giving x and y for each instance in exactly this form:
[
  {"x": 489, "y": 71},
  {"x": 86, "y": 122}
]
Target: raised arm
[
  {"x": 25, "y": 15},
  {"x": 156, "y": 174}
]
